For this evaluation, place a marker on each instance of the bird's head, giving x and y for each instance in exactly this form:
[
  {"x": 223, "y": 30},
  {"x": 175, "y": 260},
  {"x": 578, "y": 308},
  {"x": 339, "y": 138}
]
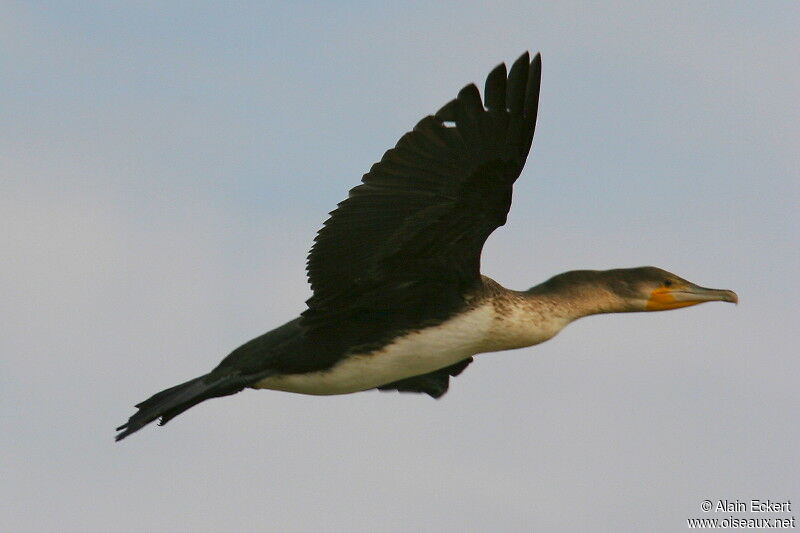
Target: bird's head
[
  {"x": 586, "y": 292},
  {"x": 653, "y": 289}
]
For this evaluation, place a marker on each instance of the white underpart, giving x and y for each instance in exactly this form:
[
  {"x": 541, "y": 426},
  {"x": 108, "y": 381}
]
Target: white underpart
[{"x": 476, "y": 331}]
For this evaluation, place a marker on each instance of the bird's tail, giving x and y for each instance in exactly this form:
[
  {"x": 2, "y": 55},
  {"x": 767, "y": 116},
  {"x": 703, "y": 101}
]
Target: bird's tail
[{"x": 171, "y": 402}]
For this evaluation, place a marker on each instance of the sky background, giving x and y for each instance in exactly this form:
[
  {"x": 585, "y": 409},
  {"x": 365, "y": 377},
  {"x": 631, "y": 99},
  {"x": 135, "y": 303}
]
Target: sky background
[{"x": 164, "y": 168}]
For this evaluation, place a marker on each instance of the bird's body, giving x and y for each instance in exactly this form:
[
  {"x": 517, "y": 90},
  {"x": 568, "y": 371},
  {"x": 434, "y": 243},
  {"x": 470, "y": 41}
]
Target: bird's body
[
  {"x": 399, "y": 302},
  {"x": 493, "y": 319},
  {"x": 409, "y": 354}
]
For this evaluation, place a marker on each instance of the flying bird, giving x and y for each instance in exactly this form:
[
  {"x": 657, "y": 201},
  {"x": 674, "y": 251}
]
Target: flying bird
[{"x": 399, "y": 302}]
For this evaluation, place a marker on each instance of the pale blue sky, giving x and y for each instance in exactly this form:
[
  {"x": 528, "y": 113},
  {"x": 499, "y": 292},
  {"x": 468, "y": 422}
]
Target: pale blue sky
[{"x": 163, "y": 170}]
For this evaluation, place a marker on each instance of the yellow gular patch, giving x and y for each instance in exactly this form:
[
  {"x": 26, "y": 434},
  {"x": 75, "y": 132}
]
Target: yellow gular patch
[{"x": 662, "y": 300}]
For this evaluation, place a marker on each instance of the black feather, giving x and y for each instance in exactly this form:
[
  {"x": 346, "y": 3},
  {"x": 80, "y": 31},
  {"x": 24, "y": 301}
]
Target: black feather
[
  {"x": 171, "y": 402},
  {"x": 424, "y": 211},
  {"x": 495, "y": 89},
  {"x": 517, "y": 83},
  {"x": 434, "y": 384}
]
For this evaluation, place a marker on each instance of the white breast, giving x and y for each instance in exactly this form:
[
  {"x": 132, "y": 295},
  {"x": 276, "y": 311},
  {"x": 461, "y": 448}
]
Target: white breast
[
  {"x": 412, "y": 354},
  {"x": 419, "y": 352}
]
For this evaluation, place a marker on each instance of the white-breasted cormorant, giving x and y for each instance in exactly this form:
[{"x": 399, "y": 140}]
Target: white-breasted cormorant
[{"x": 399, "y": 302}]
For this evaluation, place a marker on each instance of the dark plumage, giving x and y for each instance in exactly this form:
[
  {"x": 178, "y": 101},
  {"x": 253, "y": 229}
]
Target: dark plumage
[{"x": 398, "y": 301}]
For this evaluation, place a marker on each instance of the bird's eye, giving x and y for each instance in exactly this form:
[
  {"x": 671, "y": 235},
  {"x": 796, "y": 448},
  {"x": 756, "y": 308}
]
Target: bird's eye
[{"x": 667, "y": 283}]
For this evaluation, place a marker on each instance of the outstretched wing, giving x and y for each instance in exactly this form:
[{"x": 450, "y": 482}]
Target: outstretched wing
[{"x": 425, "y": 210}]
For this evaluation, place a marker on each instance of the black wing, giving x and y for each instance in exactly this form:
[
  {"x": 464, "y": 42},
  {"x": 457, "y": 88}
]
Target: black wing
[
  {"x": 434, "y": 384},
  {"x": 425, "y": 210}
]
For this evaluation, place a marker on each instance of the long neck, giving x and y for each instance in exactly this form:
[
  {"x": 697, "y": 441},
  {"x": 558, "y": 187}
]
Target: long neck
[
  {"x": 573, "y": 295},
  {"x": 524, "y": 318}
]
